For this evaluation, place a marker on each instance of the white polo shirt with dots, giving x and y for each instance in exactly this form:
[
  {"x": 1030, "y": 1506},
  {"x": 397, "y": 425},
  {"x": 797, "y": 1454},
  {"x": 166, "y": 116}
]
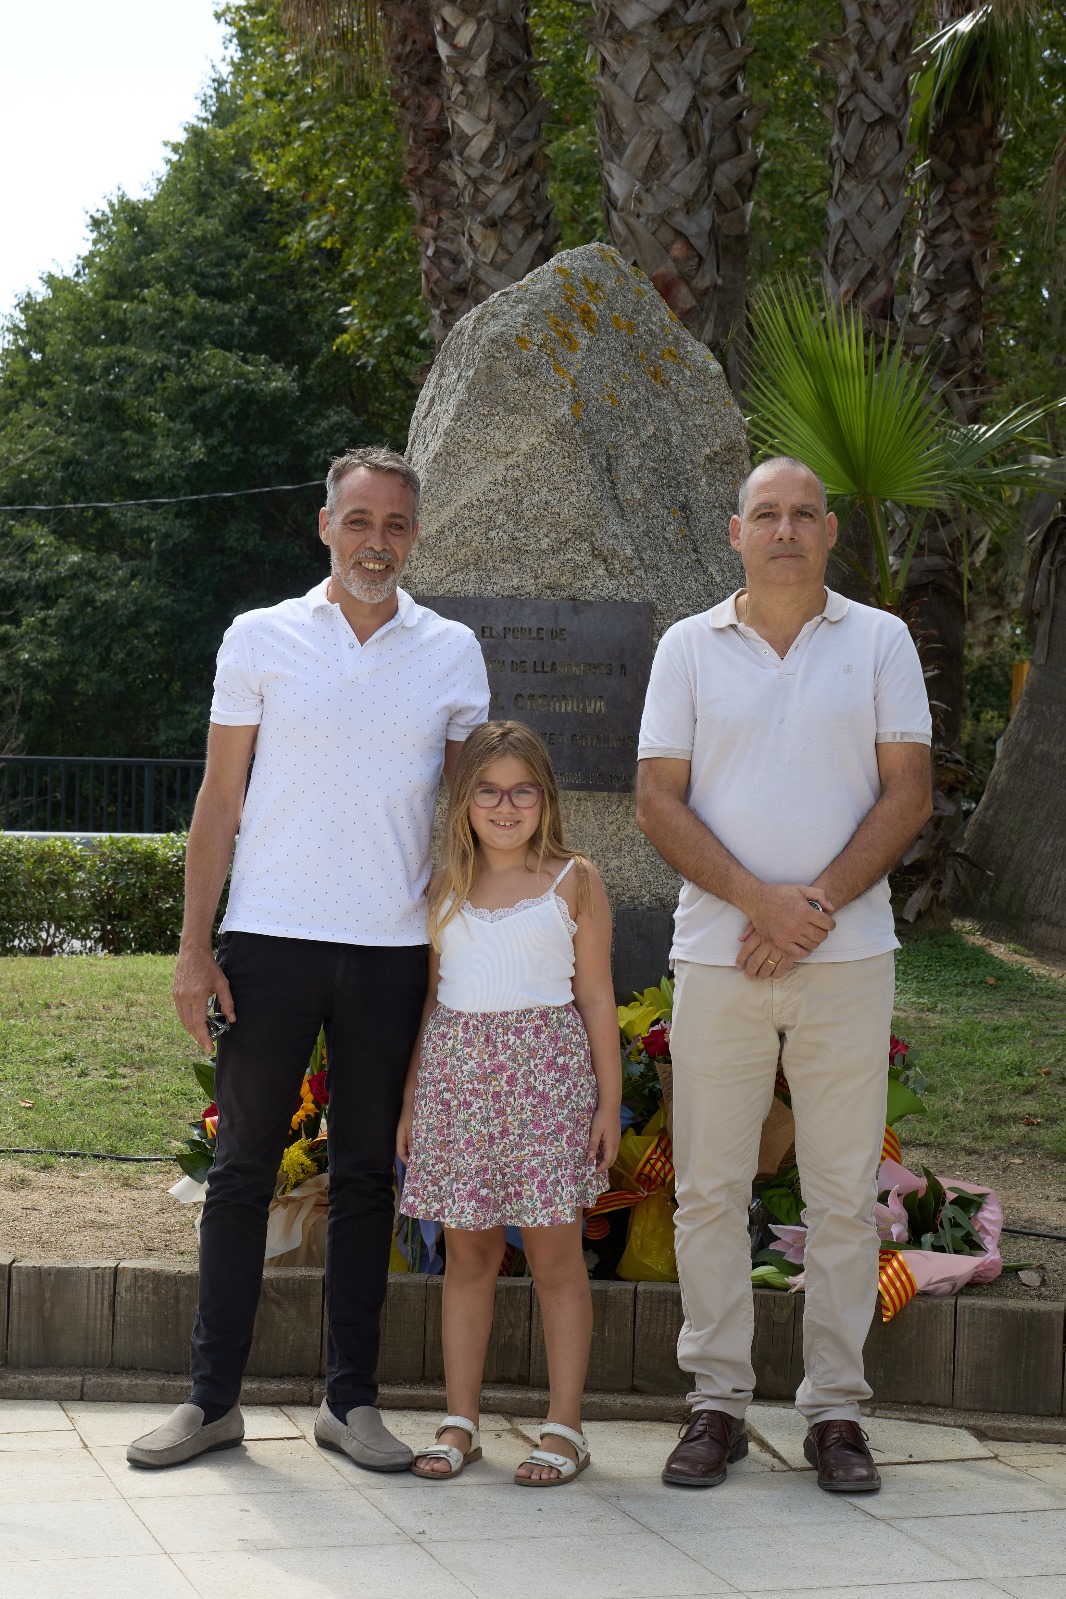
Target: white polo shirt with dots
[
  {"x": 783, "y": 755},
  {"x": 334, "y": 841}
]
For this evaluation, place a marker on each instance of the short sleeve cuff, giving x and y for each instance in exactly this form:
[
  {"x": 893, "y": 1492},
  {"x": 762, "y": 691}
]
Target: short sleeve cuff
[
  {"x": 251, "y": 717},
  {"x": 652, "y": 752},
  {"x": 903, "y": 738}
]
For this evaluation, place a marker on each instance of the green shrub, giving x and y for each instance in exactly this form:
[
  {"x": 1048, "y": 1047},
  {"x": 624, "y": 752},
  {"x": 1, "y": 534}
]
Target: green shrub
[
  {"x": 137, "y": 890},
  {"x": 119, "y": 895}
]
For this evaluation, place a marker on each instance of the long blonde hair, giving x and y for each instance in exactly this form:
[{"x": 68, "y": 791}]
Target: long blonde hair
[{"x": 487, "y": 743}]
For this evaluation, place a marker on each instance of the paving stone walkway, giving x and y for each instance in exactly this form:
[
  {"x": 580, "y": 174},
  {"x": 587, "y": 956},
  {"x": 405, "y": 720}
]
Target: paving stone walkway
[{"x": 281, "y": 1519}]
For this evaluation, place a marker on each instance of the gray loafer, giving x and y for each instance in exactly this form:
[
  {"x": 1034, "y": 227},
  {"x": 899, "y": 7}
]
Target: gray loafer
[
  {"x": 183, "y": 1436},
  {"x": 365, "y": 1439}
]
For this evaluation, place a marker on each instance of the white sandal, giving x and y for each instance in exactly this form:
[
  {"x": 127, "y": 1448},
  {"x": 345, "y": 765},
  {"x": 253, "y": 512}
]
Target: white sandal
[
  {"x": 566, "y": 1467},
  {"x": 456, "y": 1458}
]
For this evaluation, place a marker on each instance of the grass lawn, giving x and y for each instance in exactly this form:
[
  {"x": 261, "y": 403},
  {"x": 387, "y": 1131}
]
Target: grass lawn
[
  {"x": 93, "y": 1042},
  {"x": 990, "y": 1035}
]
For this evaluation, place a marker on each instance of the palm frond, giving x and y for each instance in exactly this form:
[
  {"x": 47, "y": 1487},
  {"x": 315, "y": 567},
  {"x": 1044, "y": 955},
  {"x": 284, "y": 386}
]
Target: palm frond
[
  {"x": 978, "y": 476},
  {"x": 1015, "y": 13},
  {"x": 819, "y": 392},
  {"x": 994, "y": 49},
  {"x": 866, "y": 419},
  {"x": 344, "y": 33}
]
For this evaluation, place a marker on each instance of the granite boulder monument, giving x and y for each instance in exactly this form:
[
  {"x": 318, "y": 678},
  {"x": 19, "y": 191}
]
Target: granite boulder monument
[{"x": 580, "y": 454}]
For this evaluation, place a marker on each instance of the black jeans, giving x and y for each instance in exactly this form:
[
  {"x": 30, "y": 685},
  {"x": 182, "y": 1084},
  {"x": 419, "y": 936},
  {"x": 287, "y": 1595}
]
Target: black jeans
[{"x": 369, "y": 998}]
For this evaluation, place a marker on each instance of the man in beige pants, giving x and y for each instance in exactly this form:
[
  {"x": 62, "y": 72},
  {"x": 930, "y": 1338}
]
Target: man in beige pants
[{"x": 784, "y": 769}]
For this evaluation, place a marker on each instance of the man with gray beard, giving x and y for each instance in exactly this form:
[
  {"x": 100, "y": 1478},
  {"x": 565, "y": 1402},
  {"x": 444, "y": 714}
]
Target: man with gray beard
[{"x": 354, "y": 701}]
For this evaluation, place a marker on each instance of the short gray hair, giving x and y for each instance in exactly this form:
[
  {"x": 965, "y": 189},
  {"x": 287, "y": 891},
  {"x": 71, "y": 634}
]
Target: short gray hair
[
  {"x": 779, "y": 460},
  {"x": 371, "y": 458}
]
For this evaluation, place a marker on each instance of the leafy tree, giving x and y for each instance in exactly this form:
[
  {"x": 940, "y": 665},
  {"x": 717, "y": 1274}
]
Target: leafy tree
[
  {"x": 788, "y": 217},
  {"x": 866, "y": 420},
  {"x": 562, "y": 39},
  {"x": 330, "y": 156},
  {"x": 1025, "y": 337},
  {"x": 199, "y": 346},
  {"x": 352, "y": 40}
]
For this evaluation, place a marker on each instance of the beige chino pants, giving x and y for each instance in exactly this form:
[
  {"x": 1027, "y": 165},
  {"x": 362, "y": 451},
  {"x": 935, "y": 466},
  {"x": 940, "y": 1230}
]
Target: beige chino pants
[{"x": 833, "y": 1021}]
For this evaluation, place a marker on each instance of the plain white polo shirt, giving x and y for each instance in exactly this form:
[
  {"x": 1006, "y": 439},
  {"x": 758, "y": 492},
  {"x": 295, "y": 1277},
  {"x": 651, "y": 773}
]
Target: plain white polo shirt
[
  {"x": 334, "y": 841},
  {"x": 783, "y": 755}
]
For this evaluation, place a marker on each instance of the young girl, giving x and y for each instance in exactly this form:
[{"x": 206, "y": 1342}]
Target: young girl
[{"x": 506, "y": 1120}]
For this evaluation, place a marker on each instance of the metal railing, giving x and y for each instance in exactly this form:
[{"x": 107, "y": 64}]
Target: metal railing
[{"x": 86, "y": 794}]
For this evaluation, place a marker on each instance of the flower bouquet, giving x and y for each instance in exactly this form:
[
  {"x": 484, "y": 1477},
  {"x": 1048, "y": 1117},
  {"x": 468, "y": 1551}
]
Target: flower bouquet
[
  {"x": 296, "y": 1227},
  {"x": 936, "y": 1234},
  {"x": 647, "y": 1072}
]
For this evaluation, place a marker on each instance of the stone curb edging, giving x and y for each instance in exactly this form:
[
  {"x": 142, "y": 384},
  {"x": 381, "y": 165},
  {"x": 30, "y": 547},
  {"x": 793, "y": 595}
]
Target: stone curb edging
[
  {"x": 67, "y": 1386},
  {"x": 105, "y": 1322}
]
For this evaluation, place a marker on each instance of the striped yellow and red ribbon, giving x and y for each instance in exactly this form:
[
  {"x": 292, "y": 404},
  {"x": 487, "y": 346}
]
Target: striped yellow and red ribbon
[
  {"x": 895, "y": 1282},
  {"x": 653, "y": 1171},
  {"x": 890, "y": 1148}
]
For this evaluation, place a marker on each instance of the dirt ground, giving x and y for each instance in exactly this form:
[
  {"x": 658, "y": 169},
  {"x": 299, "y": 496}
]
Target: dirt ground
[{"x": 93, "y": 1211}]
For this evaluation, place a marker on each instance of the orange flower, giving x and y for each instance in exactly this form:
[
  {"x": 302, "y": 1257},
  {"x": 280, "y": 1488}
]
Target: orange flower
[{"x": 306, "y": 1108}]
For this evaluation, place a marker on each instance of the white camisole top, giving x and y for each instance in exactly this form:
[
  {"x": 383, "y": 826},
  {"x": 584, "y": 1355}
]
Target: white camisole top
[{"x": 511, "y": 959}]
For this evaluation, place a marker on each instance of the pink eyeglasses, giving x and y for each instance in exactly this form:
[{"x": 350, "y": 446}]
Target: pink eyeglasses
[{"x": 523, "y": 796}]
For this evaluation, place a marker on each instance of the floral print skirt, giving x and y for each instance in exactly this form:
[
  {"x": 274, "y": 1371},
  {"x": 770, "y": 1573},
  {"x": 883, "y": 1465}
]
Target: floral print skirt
[{"x": 503, "y": 1110}]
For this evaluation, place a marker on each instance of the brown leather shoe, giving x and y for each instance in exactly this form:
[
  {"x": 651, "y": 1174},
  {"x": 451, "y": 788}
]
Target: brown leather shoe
[
  {"x": 845, "y": 1465},
  {"x": 710, "y": 1441}
]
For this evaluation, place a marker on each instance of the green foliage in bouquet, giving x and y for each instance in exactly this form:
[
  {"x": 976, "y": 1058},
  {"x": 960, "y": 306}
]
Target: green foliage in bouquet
[
  {"x": 941, "y": 1221},
  {"x": 198, "y": 1156},
  {"x": 305, "y": 1146},
  {"x": 782, "y": 1197}
]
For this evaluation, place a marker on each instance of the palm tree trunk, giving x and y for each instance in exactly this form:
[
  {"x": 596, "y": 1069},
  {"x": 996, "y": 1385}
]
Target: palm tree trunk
[
  {"x": 1018, "y": 832},
  {"x": 935, "y": 607},
  {"x": 869, "y": 154},
  {"x": 955, "y": 257},
  {"x": 415, "y": 84},
  {"x": 497, "y": 162},
  {"x": 868, "y": 206},
  {"x": 675, "y": 122},
  {"x": 956, "y": 245}
]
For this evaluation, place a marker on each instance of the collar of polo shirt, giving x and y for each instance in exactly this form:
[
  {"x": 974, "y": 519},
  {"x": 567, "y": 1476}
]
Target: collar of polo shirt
[
  {"x": 725, "y": 614},
  {"x": 406, "y": 607}
]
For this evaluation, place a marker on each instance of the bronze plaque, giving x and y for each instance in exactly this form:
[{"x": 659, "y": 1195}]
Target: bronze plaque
[{"x": 575, "y": 670}]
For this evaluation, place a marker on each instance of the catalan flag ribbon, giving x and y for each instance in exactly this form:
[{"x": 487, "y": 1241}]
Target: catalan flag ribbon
[
  {"x": 890, "y": 1148},
  {"x": 596, "y": 1227},
  {"x": 654, "y": 1170},
  {"x": 895, "y": 1282}
]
